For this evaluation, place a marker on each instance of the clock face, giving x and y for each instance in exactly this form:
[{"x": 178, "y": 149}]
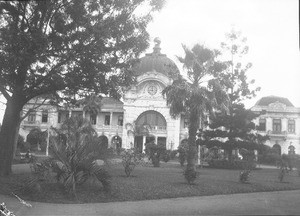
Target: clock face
[{"x": 152, "y": 89}]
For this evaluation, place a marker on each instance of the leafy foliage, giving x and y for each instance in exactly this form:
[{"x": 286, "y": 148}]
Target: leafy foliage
[
  {"x": 73, "y": 162},
  {"x": 66, "y": 49},
  {"x": 130, "y": 158},
  {"x": 244, "y": 176},
  {"x": 155, "y": 152},
  {"x": 235, "y": 77},
  {"x": 234, "y": 129}
]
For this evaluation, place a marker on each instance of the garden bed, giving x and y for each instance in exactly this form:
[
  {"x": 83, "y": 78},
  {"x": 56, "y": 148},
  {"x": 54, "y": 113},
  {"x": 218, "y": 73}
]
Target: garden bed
[{"x": 148, "y": 182}]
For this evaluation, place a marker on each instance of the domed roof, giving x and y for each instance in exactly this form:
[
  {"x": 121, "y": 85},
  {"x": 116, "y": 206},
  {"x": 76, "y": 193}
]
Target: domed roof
[
  {"x": 265, "y": 101},
  {"x": 156, "y": 61}
]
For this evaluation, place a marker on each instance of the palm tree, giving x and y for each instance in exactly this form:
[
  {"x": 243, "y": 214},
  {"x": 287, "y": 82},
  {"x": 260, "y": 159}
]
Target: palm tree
[
  {"x": 197, "y": 94},
  {"x": 92, "y": 104}
]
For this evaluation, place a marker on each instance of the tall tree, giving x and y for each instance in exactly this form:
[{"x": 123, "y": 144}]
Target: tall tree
[
  {"x": 234, "y": 129},
  {"x": 67, "y": 48},
  {"x": 197, "y": 94}
]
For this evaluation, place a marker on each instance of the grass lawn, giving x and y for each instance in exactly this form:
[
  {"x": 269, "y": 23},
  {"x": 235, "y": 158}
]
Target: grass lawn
[{"x": 154, "y": 183}]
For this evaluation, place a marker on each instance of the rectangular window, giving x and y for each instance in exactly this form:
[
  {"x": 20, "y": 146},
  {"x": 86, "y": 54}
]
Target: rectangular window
[
  {"x": 262, "y": 125},
  {"x": 93, "y": 119},
  {"x": 120, "y": 120},
  {"x": 31, "y": 117},
  {"x": 45, "y": 116},
  {"x": 107, "y": 120},
  {"x": 277, "y": 125},
  {"x": 291, "y": 126}
]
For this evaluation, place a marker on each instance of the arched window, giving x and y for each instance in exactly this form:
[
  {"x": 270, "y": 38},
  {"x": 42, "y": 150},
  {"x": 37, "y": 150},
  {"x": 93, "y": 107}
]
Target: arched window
[{"x": 152, "y": 118}]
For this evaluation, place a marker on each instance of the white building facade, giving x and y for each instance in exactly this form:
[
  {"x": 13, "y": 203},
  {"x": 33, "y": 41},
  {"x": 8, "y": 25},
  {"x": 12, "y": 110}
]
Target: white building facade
[
  {"x": 280, "y": 120},
  {"x": 142, "y": 106}
]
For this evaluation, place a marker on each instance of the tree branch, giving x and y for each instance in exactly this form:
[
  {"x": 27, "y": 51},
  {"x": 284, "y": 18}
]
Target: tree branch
[
  {"x": 4, "y": 92},
  {"x": 34, "y": 108}
]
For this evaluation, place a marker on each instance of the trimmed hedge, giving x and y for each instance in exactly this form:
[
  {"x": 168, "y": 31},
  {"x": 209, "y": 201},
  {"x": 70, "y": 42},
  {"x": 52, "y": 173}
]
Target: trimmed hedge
[{"x": 236, "y": 164}]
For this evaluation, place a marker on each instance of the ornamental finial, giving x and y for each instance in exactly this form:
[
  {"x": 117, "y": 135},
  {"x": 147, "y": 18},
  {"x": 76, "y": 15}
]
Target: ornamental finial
[{"x": 156, "y": 48}]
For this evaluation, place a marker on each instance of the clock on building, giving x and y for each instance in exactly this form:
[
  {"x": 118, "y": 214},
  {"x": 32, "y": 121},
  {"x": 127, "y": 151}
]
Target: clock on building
[{"x": 152, "y": 89}]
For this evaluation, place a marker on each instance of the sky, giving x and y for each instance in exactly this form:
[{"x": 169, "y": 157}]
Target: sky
[{"x": 271, "y": 28}]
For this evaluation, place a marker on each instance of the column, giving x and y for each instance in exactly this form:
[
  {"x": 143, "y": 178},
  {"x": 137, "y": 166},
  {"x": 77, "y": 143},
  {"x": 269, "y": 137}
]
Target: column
[
  {"x": 144, "y": 142},
  {"x": 156, "y": 139},
  {"x": 110, "y": 123}
]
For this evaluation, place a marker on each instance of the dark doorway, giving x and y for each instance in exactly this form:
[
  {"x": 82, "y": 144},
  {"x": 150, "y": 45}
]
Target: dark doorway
[
  {"x": 138, "y": 143},
  {"x": 150, "y": 139},
  {"x": 117, "y": 142},
  {"x": 162, "y": 141},
  {"x": 277, "y": 148}
]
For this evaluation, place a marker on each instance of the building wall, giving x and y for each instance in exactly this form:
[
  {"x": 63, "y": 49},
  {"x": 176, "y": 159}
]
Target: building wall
[
  {"x": 283, "y": 138},
  {"x": 138, "y": 100}
]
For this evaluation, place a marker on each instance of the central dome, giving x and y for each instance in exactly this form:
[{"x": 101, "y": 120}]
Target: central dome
[{"x": 158, "y": 62}]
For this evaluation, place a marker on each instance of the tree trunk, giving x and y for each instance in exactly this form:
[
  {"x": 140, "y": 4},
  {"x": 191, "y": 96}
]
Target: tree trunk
[
  {"x": 11, "y": 122},
  {"x": 192, "y": 151}
]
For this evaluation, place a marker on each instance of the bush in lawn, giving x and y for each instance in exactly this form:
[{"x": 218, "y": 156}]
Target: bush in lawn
[
  {"x": 268, "y": 155},
  {"x": 155, "y": 152},
  {"x": 226, "y": 164},
  {"x": 130, "y": 158},
  {"x": 244, "y": 176},
  {"x": 173, "y": 154},
  {"x": 74, "y": 162},
  {"x": 21, "y": 144},
  {"x": 283, "y": 170},
  {"x": 190, "y": 174},
  {"x": 166, "y": 156},
  {"x": 247, "y": 165}
]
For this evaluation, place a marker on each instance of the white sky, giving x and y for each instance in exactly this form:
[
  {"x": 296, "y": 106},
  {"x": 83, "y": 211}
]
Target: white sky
[{"x": 271, "y": 27}]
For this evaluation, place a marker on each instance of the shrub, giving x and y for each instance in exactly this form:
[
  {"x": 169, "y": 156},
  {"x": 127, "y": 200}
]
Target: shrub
[
  {"x": 20, "y": 143},
  {"x": 173, "y": 154},
  {"x": 73, "y": 164},
  {"x": 155, "y": 152},
  {"x": 166, "y": 156},
  {"x": 190, "y": 174},
  {"x": 130, "y": 158},
  {"x": 235, "y": 164},
  {"x": 244, "y": 176},
  {"x": 284, "y": 164}
]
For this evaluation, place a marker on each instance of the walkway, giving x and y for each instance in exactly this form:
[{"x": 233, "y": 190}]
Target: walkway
[{"x": 271, "y": 203}]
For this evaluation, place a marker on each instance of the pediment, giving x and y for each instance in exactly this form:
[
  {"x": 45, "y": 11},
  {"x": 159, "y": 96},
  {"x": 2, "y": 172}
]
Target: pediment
[{"x": 277, "y": 105}]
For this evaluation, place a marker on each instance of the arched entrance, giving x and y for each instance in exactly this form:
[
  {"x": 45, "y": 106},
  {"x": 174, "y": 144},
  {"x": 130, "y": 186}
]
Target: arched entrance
[
  {"x": 116, "y": 142},
  {"x": 150, "y": 126},
  {"x": 277, "y": 148},
  {"x": 103, "y": 140}
]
